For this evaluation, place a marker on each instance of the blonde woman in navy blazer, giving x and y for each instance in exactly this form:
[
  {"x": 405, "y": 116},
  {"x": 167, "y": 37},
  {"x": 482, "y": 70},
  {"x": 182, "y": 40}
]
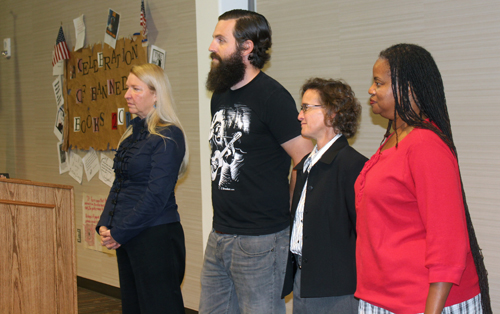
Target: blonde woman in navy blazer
[
  {"x": 321, "y": 266},
  {"x": 140, "y": 219}
]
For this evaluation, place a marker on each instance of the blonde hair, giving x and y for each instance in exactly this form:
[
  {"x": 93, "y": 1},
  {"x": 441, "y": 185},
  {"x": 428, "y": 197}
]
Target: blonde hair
[{"x": 163, "y": 114}]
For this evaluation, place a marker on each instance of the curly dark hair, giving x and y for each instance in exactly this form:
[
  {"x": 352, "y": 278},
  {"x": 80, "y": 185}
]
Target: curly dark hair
[
  {"x": 251, "y": 26},
  {"x": 338, "y": 99},
  {"x": 415, "y": 74}
]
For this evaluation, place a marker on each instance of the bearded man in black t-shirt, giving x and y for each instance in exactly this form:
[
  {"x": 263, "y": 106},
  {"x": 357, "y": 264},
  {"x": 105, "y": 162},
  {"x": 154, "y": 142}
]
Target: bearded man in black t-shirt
[{"x": 254, "y": 135}]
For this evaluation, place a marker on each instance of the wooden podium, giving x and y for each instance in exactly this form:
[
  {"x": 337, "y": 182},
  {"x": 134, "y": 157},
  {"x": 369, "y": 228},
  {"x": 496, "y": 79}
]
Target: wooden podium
[{"x": 37, "y": 248}]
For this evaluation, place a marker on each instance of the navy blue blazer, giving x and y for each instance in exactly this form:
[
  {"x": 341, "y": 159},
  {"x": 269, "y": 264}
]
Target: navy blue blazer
[
  {"x": 329, "y": 230},
  {"x": 146, "y": 170}
]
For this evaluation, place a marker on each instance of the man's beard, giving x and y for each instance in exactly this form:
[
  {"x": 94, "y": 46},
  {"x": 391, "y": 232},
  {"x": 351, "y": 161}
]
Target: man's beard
[{"x": 227, "y": 73}]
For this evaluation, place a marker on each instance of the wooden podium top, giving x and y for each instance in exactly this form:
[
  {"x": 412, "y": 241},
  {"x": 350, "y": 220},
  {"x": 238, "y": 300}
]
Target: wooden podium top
[{"x": 35, "y": 183}]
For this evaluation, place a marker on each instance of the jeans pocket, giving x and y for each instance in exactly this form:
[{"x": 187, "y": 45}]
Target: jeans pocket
[{"x": 257, "y": 245}]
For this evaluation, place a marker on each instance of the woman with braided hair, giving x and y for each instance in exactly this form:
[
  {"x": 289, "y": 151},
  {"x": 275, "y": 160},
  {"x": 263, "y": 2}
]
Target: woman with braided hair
[{"x": 416, "y": 249}]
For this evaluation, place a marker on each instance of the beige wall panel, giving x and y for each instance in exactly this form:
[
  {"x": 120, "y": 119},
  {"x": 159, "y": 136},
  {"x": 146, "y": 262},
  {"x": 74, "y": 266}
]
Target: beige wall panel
[{"x": 27, "y": 106}]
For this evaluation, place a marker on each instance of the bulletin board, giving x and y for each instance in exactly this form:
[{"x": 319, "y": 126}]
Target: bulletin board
[{"x": 96, "y": 110}]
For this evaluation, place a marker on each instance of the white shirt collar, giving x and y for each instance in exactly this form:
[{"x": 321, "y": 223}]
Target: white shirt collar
[{"x": 316, "y": 155}]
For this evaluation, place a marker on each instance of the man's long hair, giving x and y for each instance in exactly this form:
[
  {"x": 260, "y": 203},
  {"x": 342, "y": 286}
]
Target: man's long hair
[{"x": 251, "y": 26}]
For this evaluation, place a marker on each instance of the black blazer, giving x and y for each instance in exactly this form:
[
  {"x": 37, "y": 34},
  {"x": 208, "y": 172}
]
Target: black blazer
[{"x": 329, "y": 234}]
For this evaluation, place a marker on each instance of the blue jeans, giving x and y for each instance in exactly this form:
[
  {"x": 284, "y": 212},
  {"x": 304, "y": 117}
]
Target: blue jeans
[{"x": 244, "y": 274}]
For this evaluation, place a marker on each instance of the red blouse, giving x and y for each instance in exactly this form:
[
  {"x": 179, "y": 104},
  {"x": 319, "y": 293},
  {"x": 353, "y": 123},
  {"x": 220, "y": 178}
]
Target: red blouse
[{"x": 411, "y": 226}]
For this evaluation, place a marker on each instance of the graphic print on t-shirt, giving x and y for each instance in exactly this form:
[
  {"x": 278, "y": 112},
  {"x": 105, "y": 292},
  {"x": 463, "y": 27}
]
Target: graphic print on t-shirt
[{"x": 228, "y": 126}]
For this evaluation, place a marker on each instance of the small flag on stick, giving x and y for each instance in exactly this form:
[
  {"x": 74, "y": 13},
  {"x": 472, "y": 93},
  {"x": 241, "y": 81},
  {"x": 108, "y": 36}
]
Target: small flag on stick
[
  {"x": 61, "y": 51},
  {"x": 144, "y": 30}
]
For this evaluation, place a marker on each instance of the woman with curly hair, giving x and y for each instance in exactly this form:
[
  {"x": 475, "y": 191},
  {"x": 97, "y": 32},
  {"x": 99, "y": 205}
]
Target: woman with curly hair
[{"x": 321, "y": 266}]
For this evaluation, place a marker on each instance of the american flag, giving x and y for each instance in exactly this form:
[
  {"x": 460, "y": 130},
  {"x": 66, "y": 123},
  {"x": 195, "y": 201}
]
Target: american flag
[
  {"x": 144, "y": 31},
  {"x": 61, "y": 51}
]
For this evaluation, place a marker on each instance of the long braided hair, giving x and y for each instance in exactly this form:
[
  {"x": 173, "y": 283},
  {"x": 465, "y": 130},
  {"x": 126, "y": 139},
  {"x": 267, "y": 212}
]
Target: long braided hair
[{"x": 415, "y": 75}]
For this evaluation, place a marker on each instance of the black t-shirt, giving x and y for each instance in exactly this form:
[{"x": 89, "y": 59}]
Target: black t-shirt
[{"x": 250, "y": 190}]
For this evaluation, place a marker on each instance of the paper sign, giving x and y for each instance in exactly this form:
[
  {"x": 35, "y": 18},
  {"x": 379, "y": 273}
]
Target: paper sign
[
  {"x": 157, "y": 56},
  {"x": 63, "y": 159},
  {"x": 91, "y": 164},
  {"x": 80, "y": 32},
  {"x": 59, "y": 124},
  {"x": 58, "y": 91},
  {"x": 75, "y": 167},
  {"x": 113, "y": 25},
  {"x": 106, "y": 174},
  {"x": 92, "y": 206},
  {"x": 58, "y": 68}
]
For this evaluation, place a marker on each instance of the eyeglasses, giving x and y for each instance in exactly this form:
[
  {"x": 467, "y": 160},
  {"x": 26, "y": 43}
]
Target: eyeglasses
[{"x": 306, "y": 107}]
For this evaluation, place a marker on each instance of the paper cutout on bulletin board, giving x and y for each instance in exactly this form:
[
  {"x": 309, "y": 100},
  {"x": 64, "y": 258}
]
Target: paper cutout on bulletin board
[
  {"x": 75, "y": 167},
  {"x": 63, "y": 159},
  {"x": 106, "y": 173},
  {"x": 96, "y": 80},
  {"x": 91, "y": 164}
]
